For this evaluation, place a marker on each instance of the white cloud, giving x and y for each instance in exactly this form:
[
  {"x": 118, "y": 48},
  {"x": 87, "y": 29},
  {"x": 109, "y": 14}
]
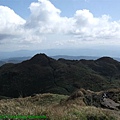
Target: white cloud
[
  {"x": 9, "y": 21},
  {"x": 12, "y": 28},
  {"x": 46, "y": 19},
  {"x": 43, "y": 13}
]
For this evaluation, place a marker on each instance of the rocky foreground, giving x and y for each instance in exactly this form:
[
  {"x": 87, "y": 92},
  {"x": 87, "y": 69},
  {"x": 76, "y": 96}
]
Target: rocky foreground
[
  {"x": 109, "y": 99},
  {"x": 81, "y": 105}
]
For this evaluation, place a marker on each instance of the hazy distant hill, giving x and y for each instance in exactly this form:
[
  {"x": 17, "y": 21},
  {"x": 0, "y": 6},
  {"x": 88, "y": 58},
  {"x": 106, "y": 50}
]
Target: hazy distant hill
[
  {"x": 43, "y": 74},
  {"x": 2, "y": 62},
  {"x": 63, "y": 52},
  {"x": 13, "y": 60},
  {"x": 16, "y": 59},
  {"x": 75, "y": 57},
  {"x": 20, "y": 59}
]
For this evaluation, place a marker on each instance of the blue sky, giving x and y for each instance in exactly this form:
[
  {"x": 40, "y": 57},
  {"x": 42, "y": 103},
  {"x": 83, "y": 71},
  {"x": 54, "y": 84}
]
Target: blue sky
[
  {"x": 69, "y": 7},
  {"x": 21, "y": 7},
  {"x": 59, "y": 24}
]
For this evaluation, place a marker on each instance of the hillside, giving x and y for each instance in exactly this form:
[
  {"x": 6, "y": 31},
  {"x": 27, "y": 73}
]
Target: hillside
[
  {"x": 42, "y": 74},
  {"x": 13, "y": 60},
  {"x": 62, "y": 107},
  {"x": 2, "y": 63}
]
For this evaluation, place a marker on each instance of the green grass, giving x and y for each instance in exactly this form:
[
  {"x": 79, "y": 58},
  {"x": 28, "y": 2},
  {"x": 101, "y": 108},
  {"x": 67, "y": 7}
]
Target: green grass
[{"x": 49, "y": 105}]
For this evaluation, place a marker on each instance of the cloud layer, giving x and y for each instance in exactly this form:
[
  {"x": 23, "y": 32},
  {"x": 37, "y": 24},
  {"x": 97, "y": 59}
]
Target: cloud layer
[
  {"x": 10, "y": 22},
  {"x": 46, "y": 20}
]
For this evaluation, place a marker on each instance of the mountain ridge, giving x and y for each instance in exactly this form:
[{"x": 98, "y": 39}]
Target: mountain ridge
[
  {"x": 42, "y": 74},
  {"x": 56, "y": 57}
]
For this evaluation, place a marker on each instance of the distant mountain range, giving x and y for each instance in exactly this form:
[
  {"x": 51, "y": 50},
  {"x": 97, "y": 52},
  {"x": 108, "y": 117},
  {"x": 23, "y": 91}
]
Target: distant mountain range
[
  {"x": 54, "y": 52},
  {"x": 20, "y": 59},
  {"x": 74, "y": 57},
  {"x": 42, "y": 74},
  {"x": 2, "y": 63},
  {"x": 13, "y": 60}
]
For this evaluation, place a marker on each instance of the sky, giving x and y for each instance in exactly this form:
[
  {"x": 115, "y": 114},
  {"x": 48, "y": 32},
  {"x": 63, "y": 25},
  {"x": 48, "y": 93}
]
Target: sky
[{"x": 59, "y": 24}]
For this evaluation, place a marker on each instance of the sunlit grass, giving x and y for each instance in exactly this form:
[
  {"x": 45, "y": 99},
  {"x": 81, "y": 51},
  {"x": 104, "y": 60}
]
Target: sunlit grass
[{"x": 49, "y": 105}]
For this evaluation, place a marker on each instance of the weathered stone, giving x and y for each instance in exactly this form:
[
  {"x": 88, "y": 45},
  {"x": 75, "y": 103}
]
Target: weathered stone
[{"x": 108, "y": 103}]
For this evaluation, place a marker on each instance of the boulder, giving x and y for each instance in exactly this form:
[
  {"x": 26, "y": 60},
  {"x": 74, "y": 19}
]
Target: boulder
[{"x": 109, "y": 103}]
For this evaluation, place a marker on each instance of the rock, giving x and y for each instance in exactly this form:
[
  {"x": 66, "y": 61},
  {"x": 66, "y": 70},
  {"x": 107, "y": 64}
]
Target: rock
[{"x": 109, "y": 103}]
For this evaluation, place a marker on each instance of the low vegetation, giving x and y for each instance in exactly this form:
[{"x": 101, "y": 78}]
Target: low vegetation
[
  {"x": 56, "y": 107},
  {"x": 54, "y": 88},
  {"x": 42, "y": 74}
]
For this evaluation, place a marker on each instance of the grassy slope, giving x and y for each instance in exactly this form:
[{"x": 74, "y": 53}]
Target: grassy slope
[{"x": 49, "y": 105}]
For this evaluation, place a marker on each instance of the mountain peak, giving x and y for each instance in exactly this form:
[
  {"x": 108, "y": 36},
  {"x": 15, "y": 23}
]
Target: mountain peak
[
  {"x": 40, "y": 58},
  {"x": 106, "y": 59}
]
